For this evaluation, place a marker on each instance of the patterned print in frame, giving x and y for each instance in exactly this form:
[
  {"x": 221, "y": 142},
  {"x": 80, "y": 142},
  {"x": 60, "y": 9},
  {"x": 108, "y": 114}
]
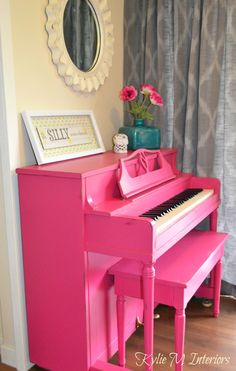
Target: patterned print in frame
[{"x": 59, "y": 136}]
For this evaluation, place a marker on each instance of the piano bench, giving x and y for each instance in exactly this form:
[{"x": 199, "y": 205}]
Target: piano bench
[{"x": 179, "y": 274}]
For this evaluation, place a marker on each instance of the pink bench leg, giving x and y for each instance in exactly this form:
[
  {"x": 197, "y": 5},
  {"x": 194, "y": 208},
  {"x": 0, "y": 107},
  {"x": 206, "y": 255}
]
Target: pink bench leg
[
  {"x": 148, "y": 299},
  {"x": 120, "y": 329},
  {"x": 179, "y": 338},
  {"x": 217, "y": 286}
]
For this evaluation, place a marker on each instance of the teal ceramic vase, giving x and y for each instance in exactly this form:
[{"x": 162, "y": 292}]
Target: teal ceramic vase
[{"x": 141, "y": 136}]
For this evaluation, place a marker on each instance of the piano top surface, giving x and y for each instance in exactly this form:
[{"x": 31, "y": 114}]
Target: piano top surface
[{"x": 82, "y": 166}]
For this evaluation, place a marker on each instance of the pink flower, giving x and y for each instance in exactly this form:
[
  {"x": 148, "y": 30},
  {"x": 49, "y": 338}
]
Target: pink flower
[
  {"x": 128, "y": 93},
  {"x": 141, "y": 102},
  {"x": 156, "y": 99},
  {"x": 147, "y": 89}
]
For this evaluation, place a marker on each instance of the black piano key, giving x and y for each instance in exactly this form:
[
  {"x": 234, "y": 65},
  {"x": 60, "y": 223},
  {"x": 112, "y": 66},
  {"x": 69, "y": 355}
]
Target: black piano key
[{"x": 162, "y": 209}]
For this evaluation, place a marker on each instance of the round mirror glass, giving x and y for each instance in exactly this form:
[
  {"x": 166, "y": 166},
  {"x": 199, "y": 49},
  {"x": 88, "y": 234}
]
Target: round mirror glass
[{"x": 81, "y": 34}]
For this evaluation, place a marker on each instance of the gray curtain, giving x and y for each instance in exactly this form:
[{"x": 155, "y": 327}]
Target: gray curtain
[{"x": 187, "y": 48}]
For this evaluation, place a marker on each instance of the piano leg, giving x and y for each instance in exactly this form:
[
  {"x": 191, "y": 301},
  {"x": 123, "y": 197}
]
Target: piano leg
[
  {"x": 213, "y": 227},
  {"x": 213, "y": 220},
  {"x": 148, "y": 298}
]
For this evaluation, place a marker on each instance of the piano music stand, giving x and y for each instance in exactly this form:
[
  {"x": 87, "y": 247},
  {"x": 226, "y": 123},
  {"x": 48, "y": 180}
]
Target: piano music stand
[{"x": 175, "y": 283}]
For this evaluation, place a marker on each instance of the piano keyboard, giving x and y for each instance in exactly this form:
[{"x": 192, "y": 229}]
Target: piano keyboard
[{"x": 173, "y": 209}]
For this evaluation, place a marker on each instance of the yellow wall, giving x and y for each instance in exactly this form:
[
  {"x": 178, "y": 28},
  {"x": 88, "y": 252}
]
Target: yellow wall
[{"x": 39, "y": 87}]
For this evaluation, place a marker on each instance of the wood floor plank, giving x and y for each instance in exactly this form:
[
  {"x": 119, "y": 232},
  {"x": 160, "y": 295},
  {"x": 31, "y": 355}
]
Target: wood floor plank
[
  {"x": 210, "y": 344},
  {"x": 208, "y": 341}
]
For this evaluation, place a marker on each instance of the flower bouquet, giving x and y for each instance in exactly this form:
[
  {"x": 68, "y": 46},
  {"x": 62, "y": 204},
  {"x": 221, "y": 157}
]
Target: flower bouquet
[
  {"x": 139, "y": 106},
  {"x": 140, "y": 103}
]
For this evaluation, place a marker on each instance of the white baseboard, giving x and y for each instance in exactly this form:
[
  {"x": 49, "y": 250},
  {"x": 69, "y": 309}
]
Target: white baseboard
[{"x": 8, "y": 355}]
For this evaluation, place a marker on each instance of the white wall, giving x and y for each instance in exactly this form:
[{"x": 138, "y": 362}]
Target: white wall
[
  {"x": 11, "y": 291},
  {"x": 5, "y": 296},
  {"x": 31, "y": 83}
]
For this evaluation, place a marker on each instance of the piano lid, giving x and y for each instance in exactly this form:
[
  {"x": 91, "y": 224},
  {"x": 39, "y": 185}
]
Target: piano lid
[{"x": 142, "y": 170}]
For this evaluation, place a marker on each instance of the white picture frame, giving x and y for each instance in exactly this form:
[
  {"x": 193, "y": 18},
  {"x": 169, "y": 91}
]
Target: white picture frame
[{"x": 62, "y": 135}]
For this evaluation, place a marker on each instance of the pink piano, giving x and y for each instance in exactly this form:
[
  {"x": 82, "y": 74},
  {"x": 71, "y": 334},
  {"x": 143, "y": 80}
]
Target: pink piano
[{"x": 78, "y": 218}]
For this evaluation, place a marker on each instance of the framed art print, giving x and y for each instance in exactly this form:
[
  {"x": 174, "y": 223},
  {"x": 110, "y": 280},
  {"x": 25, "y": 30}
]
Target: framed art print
[{"x": 57, "y": 136}]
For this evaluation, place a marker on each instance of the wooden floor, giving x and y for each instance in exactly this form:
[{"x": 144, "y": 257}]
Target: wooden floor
[{"x": 210, "y": 344}]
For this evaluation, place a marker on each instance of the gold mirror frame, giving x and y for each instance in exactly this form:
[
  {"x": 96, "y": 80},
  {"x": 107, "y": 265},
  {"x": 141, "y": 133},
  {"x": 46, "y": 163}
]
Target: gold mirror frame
[{"x": 75, "y": 78}]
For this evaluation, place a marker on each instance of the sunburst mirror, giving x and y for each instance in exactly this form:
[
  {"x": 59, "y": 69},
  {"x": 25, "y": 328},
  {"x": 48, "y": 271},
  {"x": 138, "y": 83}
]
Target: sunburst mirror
[{"x": 80, "y": 37}]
